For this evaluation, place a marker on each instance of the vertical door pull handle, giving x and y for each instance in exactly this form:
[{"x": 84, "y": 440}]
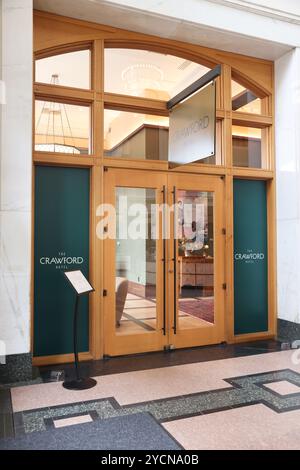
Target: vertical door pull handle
[
  {"x": 175, "y": 263},
  {"x": 164, "y": 262}
]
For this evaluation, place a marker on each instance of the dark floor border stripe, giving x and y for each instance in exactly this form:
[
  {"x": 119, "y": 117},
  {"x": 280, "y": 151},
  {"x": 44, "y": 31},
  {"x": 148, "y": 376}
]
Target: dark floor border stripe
[
  {"x": 158, "y": 359},
  {"x": 6, "y": 414}
]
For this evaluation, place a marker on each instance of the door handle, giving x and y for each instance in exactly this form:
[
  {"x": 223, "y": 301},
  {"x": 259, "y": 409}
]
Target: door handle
[
  {"x": 175, "y": 263},
  {"x": 164, "y": 262}
]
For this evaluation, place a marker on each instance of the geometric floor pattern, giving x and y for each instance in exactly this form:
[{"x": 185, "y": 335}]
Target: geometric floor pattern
[
  {"x": 250, "y": 402},
  {"x": 243, "y": 391}
]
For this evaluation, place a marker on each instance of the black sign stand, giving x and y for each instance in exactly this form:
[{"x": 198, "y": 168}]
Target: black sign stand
[{"x": 80, "y": 383}]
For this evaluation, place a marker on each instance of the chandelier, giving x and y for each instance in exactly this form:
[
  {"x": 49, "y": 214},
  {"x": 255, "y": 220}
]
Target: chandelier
[
  {"x": 58, "y": 135},
  {"x": 140, "y": 77}
]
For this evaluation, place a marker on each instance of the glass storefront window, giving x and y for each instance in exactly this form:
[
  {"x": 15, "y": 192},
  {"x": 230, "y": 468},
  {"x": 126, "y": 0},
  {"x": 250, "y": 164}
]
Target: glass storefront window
[
  {"x": 71, "y": 69},
  {"x": 247, "y": 147},
  {"x": 140, "y": 136},
  {"x": 135, "y": 135},
  {"x": 243, "y": 100},
  {"x": 61, "y": 127},
  {"x": 148, "y": 74}
]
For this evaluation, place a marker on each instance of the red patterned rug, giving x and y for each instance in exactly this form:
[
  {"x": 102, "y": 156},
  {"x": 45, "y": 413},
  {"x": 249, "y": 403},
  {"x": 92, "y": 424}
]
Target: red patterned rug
[{"x": 200, "y": 308}]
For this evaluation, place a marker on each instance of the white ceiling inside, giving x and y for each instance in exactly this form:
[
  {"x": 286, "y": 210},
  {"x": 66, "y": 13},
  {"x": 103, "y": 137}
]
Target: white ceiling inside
[
  {"x": 127, "y": 71},
  {"x": 148, "y": 74},
  {"x": 72, "y": 69}
]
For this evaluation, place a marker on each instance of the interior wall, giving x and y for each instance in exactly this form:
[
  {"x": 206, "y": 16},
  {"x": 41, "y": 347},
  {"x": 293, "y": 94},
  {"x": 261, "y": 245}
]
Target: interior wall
[
  {"x": 287, "y": 94},
  {"x": 15, "y": 175},
  {"x": 131, "y": 254}
]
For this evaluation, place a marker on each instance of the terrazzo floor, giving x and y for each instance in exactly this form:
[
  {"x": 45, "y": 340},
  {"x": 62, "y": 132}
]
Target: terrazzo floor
[{"x": 250, "y": 402}]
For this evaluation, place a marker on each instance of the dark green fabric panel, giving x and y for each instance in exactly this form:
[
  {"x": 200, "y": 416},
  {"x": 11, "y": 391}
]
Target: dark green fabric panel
[
  {"x": 61, "y": 231},
  {"x": 250, "y": 257}
]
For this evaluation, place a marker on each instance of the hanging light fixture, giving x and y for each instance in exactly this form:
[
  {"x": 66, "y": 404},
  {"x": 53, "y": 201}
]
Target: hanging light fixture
[
  {"x": 57, "y": 118},
  {"x": 142, "y": 77}
]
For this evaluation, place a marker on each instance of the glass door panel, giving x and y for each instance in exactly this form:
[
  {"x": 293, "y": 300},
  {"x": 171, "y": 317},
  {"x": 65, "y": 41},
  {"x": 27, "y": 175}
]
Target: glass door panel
[
  {"x": 195, "y": 229},
  {"x": 135, "y": 307},
  {"x": 196, "y": 266},
  {"x": 136, "y": 255}
]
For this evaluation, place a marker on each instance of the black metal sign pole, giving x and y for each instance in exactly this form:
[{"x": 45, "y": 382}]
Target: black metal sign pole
[
  {"x": 75, "y": 324},
  {"x": 80, "y": 383}
]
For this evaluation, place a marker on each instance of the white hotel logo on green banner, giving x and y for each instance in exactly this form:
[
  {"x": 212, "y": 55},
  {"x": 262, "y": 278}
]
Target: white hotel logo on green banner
[
  {"x": 249, "y": 257},
  {"x": 62, "y": 261}
]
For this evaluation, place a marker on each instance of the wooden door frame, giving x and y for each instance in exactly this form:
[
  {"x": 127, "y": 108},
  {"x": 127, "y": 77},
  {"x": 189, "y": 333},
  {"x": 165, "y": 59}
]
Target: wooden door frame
[
  {"x": 54, "y": 34},
  {"x": 137, "y": 343}
]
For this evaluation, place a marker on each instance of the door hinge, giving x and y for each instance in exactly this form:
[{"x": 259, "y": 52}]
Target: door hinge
[
  {"x": 224, "y": 286},
  {"x": 104, "y": 293},
  {"x": 105, "y": 168},
  {"x": 224, "y": 231}
]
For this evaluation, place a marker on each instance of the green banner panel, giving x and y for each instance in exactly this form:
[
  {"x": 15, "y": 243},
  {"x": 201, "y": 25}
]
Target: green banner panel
[
  {"x": 61, "y": 241},
  {"x": 250, "y": 257}
]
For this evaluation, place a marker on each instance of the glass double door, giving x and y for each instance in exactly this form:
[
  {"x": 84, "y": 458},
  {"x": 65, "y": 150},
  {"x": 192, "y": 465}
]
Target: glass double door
[{"x": 163, "y": 261}]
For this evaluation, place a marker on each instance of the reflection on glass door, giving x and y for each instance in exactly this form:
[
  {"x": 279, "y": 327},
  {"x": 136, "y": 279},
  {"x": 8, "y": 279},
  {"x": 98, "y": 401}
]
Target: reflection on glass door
[
  {"x": 135, "y": 270},
  {"x": 195, "y": 277},
  {"x": 136, "y": 307},
  {"x": 196, "y": 262}
]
